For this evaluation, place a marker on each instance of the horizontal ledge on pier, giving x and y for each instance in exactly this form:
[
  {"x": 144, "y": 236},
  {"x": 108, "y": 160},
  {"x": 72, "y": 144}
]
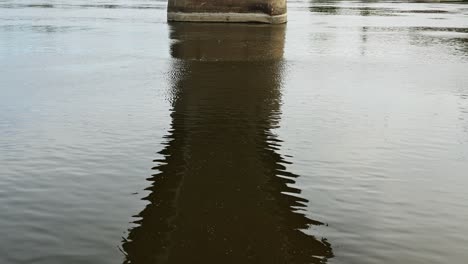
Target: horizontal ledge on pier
[{"x": 227, "y": 17}]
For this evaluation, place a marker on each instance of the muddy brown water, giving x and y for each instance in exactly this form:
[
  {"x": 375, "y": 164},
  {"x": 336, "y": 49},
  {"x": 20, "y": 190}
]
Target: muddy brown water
[{"x": 341, "y": 137}]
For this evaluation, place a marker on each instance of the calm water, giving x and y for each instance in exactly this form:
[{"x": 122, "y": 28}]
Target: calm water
[{"x": 341, "y": 137}]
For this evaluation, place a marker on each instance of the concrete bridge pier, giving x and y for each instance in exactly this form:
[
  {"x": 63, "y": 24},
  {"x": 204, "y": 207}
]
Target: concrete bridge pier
[{"x": 260, "y": 11}]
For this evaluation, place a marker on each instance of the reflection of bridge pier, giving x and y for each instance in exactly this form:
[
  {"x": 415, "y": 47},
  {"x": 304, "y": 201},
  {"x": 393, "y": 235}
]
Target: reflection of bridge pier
[{"x": 220, "y": 194}]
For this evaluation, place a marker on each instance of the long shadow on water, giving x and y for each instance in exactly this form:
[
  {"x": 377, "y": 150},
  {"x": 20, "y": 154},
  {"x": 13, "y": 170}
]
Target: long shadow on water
[{"x": 221, "y": 194}]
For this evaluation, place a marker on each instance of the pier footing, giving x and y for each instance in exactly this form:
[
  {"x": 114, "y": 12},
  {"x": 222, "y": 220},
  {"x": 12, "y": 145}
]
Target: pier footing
[
  {"x": 227, "y": 17},
  {"x": 259, "y": 11}
]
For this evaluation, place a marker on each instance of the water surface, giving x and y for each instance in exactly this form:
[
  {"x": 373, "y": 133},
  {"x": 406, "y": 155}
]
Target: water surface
[{"x": 341, "y": 137}]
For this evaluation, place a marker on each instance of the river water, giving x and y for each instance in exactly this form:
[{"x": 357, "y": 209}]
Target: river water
[{"x": 341, "y": 137}]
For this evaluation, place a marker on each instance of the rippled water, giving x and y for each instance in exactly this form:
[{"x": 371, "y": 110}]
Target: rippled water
[{"x": 341, "y": 137}]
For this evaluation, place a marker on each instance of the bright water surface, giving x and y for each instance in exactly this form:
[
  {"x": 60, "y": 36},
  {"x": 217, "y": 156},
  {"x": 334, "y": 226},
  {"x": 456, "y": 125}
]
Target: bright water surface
[{"x": 341, "y": 137}]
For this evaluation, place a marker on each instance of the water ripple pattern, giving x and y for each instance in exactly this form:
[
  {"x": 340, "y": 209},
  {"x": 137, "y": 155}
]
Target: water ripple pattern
[{"x": 341, "y": 137}]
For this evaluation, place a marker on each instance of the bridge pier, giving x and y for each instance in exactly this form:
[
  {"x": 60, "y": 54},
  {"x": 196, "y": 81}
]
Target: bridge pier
[{"x": 259, "y": 11}]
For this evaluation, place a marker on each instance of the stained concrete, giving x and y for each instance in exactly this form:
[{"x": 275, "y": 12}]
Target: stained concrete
[{"x": 261, "y": 11}]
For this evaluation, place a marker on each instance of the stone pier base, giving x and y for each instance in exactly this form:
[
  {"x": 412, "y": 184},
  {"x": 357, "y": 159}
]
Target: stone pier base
[
  {"x": 260, "y": 11},
  {"x": 227, "y": 17}
]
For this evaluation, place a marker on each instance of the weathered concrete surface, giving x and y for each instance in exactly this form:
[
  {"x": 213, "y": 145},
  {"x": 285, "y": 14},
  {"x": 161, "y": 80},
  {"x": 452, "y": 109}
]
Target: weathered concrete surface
[{"x": 263, "y": 11}]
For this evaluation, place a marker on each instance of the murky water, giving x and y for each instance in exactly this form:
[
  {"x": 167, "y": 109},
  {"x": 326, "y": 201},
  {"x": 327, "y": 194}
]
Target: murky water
[{"x": 341, "y": 137}]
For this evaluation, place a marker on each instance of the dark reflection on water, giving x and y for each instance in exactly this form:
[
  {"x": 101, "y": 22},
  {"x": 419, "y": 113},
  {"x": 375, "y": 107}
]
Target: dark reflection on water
[
  {"x": 327, "y": 7},
  {"x": 221, "y": 193},
  {"x": 50, "y": 29},
  {"x": 456, "y": 38}
]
